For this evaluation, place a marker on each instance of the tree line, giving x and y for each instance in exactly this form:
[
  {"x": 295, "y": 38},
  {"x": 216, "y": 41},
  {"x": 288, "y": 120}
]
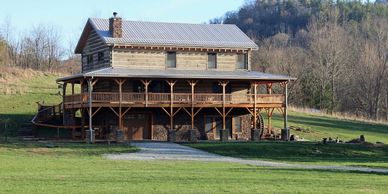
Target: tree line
[
  {"x": 338, "y": 50},
  {"x": 38, "y": 48}
]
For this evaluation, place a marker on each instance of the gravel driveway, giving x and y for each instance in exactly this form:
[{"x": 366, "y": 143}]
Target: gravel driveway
[{"x": 172, "y": 151}]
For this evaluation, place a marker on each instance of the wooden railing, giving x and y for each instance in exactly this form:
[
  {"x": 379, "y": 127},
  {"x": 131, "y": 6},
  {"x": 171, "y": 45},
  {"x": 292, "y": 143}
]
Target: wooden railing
[
  {"x": 270, "y": 98},
  {"x": 46, "y": 112},
  {"x": 179, "y": 98}
]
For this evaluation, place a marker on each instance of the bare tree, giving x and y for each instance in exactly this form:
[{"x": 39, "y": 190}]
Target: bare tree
[
  {"x": 374, "y": 64},
  {"x": 330, "y": 54}
]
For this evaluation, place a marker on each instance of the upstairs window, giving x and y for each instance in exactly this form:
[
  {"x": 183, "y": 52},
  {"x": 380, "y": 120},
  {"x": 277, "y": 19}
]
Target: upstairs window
[
  {"x": 212, "y": 60},
  {"x": 89, "y": 59},
  {"x": 171, "y": 60},
  {"x": 100, "y": 56},
  {"x": 242, "y": 61}
]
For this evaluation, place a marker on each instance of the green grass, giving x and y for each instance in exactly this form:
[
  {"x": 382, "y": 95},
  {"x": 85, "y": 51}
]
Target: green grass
[
  {"x": 319, "y": 126},
  {"x": 303, "y": 152},
  {"x": 75, "y": 168},
  {"x": 19, "y": 107}
]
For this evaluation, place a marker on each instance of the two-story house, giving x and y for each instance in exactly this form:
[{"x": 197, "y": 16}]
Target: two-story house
[{"x": 170, "y": 82}]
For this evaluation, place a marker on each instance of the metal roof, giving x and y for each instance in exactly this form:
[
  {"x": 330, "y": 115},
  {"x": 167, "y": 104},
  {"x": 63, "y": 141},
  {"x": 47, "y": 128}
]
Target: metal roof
[
  {"x": 175, "y": 34},
  {"x": 180, "y": 74}
]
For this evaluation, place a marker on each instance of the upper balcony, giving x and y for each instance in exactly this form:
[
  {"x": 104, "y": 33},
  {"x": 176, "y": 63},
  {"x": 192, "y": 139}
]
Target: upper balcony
[{"x": 179, "y": 99}]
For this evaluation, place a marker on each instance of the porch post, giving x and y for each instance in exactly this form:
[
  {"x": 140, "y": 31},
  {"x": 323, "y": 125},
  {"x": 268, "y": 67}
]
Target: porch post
[
  {"x": 146, "y": 83},
  {"x": 223, "y": 132},
  {"x": 72, "y": 88},
  {"x": 90, "y": 89},
  {"x": 269, "y": 91},
  {"x": 120, "y": 84},
  {"x": 171, "y": 132},
  {"x": 64, "y": 93},
  {"x": 193, "y": 135},
  {"x": 255, "y": 133},
  {"x": 285, "y": 131},
  {"x": 64, "y": 121},
  {"x": 82, "y": 110}
]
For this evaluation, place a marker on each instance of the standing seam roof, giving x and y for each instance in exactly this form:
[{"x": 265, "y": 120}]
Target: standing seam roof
[{"x": 175, "y": 34}]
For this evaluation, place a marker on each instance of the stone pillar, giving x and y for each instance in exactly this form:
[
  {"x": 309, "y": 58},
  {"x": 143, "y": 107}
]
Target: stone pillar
[
  {"x": 224, "y": 135},
  {"x": 255, "y": 134},
  {"x": 90, "y": 139},
  {"x": 286, "y": 134},
  {"x": 119, "y": 136},
  {"x": 171, "y": 136},
  {"x": 193, "y": 135}
]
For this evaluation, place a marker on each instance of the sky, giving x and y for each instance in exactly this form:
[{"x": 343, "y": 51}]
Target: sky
[{"x": 70, "y": 16}]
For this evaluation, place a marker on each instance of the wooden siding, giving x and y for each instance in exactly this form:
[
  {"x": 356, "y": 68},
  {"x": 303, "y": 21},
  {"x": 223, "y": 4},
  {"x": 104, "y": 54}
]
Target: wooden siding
[
  {"x": 93, "y": 46},
  {"x": 156, "y": 59},
  {"x": 138, "y": 59}
]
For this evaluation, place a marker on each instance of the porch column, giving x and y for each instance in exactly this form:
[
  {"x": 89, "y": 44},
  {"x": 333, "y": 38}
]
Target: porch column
[
  {"x": 285, "y": 131},
  {"x": 193, "y": 135},
  {"x": 171, "y": 132},
  {"x": 269, "y": 91},
  {"x": 72, "y": 112},
  {"x": 120, "y": 83},
  {"x": 64, "y": 92},
  {"x": 146, "y": 84},
  {"x": 255, "y": 133},
  {"x": 91, "y": 134},
  {"x": 223, "y": 132},
  {"x": 64, "y": 121},
  {"x": 82, "y": 109},
  {"x": 90, "y": 89},
  {"x": 72, "y": 88}
]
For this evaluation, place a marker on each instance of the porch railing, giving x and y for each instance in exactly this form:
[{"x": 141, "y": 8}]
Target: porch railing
[{"x": 179, "y": 98}]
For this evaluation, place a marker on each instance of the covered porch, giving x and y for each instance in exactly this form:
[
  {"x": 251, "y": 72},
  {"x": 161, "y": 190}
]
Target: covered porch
[{"x": 223, "y": 95}]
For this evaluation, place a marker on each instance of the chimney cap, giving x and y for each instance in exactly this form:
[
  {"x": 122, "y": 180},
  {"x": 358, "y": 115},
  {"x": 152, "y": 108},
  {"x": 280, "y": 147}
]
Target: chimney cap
[{"x": 114, "y": 14}]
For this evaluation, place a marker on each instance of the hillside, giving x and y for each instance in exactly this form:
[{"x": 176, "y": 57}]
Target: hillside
[{"x": 21, "y": 89}]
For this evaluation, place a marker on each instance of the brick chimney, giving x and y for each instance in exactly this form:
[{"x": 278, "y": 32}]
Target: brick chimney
[{"x": 115, "y": 26}]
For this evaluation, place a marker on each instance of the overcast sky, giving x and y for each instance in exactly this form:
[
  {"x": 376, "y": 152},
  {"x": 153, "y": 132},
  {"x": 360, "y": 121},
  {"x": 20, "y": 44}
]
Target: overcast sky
[{"x": 70, "y": 16}]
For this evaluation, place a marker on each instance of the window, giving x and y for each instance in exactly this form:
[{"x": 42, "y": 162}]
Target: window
[
  {"x": 212, "y": 60},
  {"x": 237, "y": 124},
  {"x": 242, "y": 61},
  {"x": 171, "y": 60},
  {"x": 100, "y": 56},
  {"x": 89, "y": 59}
]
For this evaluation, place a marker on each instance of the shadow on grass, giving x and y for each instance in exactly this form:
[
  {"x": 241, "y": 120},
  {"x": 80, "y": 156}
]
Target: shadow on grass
[
  {"x": 254, "y": 169},
  {"x": 299, "y": 151},
  {"x": 10, "y": 123},
  {"x": 63, "y": 149}
]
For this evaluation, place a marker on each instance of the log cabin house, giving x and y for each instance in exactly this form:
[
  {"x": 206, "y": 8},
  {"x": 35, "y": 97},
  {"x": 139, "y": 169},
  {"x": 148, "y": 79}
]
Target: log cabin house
[{"x": 168, "y": 82}]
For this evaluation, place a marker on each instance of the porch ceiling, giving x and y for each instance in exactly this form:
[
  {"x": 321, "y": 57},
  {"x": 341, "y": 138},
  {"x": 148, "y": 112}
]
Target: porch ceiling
[{"x": 179, "y": 74}]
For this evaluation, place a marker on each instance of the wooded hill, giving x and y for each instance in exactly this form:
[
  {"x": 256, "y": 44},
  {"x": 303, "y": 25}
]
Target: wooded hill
[{"x": 338, "y": 50}]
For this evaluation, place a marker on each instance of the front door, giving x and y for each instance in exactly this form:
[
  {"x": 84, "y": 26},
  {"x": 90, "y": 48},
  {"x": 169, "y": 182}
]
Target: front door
[{"x": 139, "y": 126}]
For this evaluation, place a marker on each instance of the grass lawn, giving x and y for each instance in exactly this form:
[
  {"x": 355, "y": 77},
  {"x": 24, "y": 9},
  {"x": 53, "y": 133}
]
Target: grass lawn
[
  {"x": 80, "y": 168},
  {"x": 303, "y": 152},
  {"x": 320, "y": 126}
]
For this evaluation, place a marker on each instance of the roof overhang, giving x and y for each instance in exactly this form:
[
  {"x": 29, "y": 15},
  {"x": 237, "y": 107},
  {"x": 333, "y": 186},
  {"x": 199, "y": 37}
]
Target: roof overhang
[{"x": 179, "y": 74}]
